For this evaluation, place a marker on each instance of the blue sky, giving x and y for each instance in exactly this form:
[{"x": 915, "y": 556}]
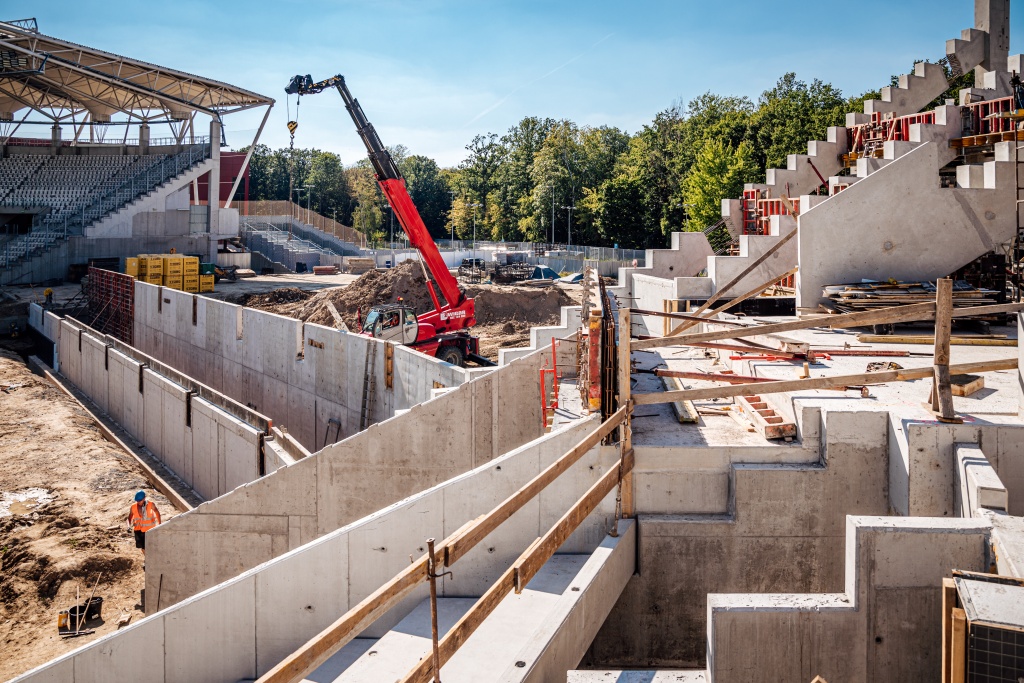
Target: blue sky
[{"x": 431, "y": 74}]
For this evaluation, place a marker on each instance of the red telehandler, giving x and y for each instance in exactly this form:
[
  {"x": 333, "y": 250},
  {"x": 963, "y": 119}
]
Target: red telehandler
[{"x": 443, "y": 332}]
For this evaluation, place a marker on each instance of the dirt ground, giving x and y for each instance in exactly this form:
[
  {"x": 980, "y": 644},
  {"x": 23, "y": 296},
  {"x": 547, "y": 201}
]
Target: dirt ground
[
  {"x": 64, "y": 496},
  {"x": 504, "y": 313}
]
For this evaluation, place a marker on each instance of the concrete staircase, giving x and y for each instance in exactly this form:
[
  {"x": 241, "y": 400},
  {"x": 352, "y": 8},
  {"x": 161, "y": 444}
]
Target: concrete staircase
[
  {"x": 994, "y": 84},
  {"x": 118, "y": 223},
  {"x": 685, "y": 258},
  {"x": 537, "y": 635},
  {"x": 895, "y": 221}
]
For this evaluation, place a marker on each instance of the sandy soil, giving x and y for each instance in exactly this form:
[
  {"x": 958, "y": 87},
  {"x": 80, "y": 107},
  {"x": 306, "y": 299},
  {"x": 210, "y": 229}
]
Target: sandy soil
[
  {"x": 504, "y": 313},
  {"x": 64, "y": 494}
]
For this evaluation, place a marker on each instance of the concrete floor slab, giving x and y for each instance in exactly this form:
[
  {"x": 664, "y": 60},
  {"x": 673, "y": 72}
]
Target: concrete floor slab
[{"x": 660, "y": 676}]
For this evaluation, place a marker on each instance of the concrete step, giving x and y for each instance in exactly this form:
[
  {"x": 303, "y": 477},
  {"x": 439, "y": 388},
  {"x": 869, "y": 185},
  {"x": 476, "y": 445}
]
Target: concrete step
[
  {"x": 535, "y": 636},
  {"x": 967, "y": 51},
  {"x": 635, "y": 676}
]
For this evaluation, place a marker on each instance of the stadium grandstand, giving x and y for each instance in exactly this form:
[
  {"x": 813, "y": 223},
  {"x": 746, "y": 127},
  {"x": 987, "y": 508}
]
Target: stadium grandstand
[{"x": 119, "y": 171}]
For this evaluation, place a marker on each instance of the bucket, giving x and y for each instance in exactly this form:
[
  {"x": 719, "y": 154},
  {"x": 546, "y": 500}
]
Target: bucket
[{"x": 92, "y": 609}]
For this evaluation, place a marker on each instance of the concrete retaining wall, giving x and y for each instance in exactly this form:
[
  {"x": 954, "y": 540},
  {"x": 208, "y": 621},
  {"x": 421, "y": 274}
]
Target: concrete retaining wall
[
  {"x": 209, "y": 449},
  {"x": 728, "y": 521},
  {"x": 302, "y": 376},
  {"x": 243, "y": 627},
  {"x": 886, "y": 626},
  {"x": 431, "y": 443}
]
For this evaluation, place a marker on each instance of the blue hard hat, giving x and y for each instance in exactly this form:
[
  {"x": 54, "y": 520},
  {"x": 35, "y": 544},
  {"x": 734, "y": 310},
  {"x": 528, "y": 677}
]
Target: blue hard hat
[{"x": 141, "y": 495}]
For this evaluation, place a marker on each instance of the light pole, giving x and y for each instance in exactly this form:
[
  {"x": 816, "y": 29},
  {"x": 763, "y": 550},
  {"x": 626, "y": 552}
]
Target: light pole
[
  {"x": 309, "y": 204},
  {"x": 570, "y": 209},
  {"x": 452, "y": 193},
  {"x": 552, "y": 188},
  {"x": 298, "y": 191},
  {"x": 475, "y": 207}
]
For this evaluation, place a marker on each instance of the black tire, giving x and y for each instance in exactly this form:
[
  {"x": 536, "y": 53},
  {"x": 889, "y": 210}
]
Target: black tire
[{"x": 452, "y": 354}]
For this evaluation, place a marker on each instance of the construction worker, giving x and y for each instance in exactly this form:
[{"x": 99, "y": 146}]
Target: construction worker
[
  {"x": 48, "y": 293},
  {"x": 142, "y": 516}
]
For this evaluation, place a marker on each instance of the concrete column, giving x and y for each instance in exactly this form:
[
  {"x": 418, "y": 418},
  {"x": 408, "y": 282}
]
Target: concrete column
[
  {"x": 144, "y": 139},
  {"x": 214, "y": 186},
  {"x": 993, "y": 17},
  {"x": 55, "y": 134}
]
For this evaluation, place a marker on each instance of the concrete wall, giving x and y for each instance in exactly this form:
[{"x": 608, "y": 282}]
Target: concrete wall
[
  {"x": 923, "y": 465},
  {"x": 209, "y": 449},
  {"x": 886, "y": 626},
  {"x": 686, "y": 257},
  {"x": 301, "y": 376},
  {"x": 738, "y": 519},
  {"x": 243, "y": 627},
  {"x": 434, "y": 441}
]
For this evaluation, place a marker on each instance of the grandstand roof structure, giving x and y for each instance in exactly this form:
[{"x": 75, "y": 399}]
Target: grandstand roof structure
[{"x": 65, "y": 81}]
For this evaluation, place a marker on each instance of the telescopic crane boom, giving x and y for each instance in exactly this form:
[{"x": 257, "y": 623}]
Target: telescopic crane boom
[{"x": 458, "y": 312}]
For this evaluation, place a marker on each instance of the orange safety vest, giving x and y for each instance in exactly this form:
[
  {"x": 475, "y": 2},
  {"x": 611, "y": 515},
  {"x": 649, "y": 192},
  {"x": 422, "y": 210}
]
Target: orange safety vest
[{"x": 143, "y": 519}]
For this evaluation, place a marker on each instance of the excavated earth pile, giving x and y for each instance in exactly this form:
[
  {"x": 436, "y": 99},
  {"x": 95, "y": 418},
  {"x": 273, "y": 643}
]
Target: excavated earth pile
[
  {"x": 64, "y": 496},
  {"x": 504, "y": 313}
]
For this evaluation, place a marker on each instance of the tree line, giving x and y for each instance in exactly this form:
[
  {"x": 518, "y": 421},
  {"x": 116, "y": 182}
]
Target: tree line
[{"x": 547, "y": 180}]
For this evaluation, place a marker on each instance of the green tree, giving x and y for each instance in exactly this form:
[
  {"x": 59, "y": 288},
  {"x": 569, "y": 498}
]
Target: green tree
[
  {"x": 428, "y": 191},
  {"x": 717, "y": 173}
]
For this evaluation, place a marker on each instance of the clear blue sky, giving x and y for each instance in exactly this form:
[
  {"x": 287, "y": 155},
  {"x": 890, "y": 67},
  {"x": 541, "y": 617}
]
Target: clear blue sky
[{"x": 431, "y": 74}]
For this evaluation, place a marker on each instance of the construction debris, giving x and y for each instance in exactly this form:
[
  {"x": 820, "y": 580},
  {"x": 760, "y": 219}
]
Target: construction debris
[{"x": 865, "y": 296}]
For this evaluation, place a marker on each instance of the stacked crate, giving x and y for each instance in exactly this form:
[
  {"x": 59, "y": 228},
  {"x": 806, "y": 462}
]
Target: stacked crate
[
  {"x": 151, "y": 269},
  {"x": 190, "y": 274},
  {"x": 173, "y": 266},
  {"x": 206, "y": 283},
  {"x": 131, "y": 266}
]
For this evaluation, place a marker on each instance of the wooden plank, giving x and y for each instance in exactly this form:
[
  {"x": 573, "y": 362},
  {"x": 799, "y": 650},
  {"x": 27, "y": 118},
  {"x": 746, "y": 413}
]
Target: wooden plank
[
  {"x": 625, "y": 400},
  {"x": 819, "y": 382},
  {"x": 685, "y": 411},
  {"x": 965, "y": 385},
  {"x": 325, "y": 644},
  {"x": 732, "y": 283},
  {"x": 891, "y": 314},
  {"x": 463, "y": 540},
  {"x": 527, "y": 566},
  {"x": 958, "y": 647},
  {"x": 682, "y": 316},
  {"x": 752, "y": 293},
  {"x": 519, "y": 574},
  {"x": 922, "y": 311},
  {"x": 457, "y": 636},
  {"x": 948, "y": 603},
  {"x": 338, "y": 322},
  {"x": 930, "y": 340},
  {"x": 943, "y": 402},
  {"x": 776, "y": 342}
]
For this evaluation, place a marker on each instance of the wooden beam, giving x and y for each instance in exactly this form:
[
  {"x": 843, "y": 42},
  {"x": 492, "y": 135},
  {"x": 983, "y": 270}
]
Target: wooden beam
[
  {"x": 462, "y": 541},
  {"x": 682, "y": 316},
  {"x": 922, "y": 311},
  {"x": 625, "y": 400},
  {"x": 325, "y": 644},
  {"x": 773, "y": 342},
  {"x": 713, "y": 377},
  {"x": 892, "y": 314},
  {"x": 942, "y": 391},
  {"x": 526, "y": 567},
  {"x": 747, "y": 295},
  {"x": 958, "y": 647},
  {"x": 929, "y": 340},
  {"x": 732, "y": 283},
  {"x": 516, "y": 577},
  {"x": 818, "y": 382},
  {"x": 948, "y": 603},
  {"x": 464, "y": 627}
]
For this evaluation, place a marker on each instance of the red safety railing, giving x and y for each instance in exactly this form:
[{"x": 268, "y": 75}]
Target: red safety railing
[
  {"x": 548, "y": 407},
  {"x": 868, "y": 138},
  {"x": 976, "y": 121}
]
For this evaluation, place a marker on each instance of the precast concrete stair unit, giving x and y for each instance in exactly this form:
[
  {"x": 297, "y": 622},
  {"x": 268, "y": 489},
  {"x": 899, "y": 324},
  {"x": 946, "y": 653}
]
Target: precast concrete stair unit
[
  {"x": 537, "y": 635},
  {"x": 895, "y": 221}
]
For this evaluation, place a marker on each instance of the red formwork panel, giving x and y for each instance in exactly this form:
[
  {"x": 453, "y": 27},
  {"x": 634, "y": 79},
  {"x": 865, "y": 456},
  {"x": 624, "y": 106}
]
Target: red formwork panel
[{"x": 111, "y": 307}]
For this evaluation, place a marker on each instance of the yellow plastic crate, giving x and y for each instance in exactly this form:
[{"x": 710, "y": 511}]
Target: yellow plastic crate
[
  {"x": 205, "y": 283},
  {"x": 190, "y": 265},
  {"x": 131, "y": 266},
  {"x": 192, "y": 288},
  {"x": 173, "y": 265},
  {"x": 150, "y": 265},
  {"x": 172, "y": 281},
  {"x": 152, "y": 279}
]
